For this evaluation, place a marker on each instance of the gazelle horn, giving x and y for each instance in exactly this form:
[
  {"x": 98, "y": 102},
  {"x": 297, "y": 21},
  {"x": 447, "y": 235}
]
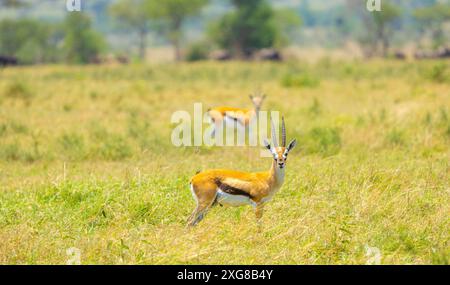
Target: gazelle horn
[
  {"x": 274, "y": 135},
  {"x": 283, "y": 133}
]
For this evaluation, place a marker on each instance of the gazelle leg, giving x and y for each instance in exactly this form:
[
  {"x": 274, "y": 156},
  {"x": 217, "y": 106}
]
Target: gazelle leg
[
  {"x": 198, "y": 215},
  {"x": 189, "y": 220},
  {"x": 259, "y": 210},
  {"x": 192, "y": 215},
  {"x": 200, "y": 211}
]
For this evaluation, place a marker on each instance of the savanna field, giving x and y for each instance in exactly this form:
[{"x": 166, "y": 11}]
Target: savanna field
[{"x": 87, "y": 162}]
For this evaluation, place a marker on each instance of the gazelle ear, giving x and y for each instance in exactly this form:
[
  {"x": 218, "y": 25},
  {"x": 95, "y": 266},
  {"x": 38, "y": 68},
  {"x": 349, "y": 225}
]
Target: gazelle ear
[
  {"x": 250, "y": 96},
  {"x": 292, "y": 144},
  {"x": 267, "y": 144},
  {"x": 264, "y": 96}
]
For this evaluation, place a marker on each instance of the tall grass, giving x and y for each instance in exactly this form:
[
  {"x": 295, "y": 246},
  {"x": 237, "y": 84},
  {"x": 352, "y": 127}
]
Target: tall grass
[{"x": 86, "y": 161}]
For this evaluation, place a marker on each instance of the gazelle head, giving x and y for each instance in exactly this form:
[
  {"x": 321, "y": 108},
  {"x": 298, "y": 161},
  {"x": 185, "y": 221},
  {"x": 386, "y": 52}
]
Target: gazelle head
[
  {"x": 257, "y": 100},
  {"x": 280, "y": 153}
]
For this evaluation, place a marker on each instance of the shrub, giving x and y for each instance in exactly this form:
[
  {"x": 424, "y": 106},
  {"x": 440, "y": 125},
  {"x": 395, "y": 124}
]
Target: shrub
[
  {"x": 18, "y": 91},
  {"x": 10, "y": 152},
  {"x": 15, "y": 151},
  {"x": 395, "y": 137},
  {"x": 443, "y": 115},
  {"x": 140, "y": 131},
  {"x": 300, "y": 80},
  {"x": 18, "y": 128},
  {"x": 447, "y": 130},
  {"x": 3, "y": 129},
  {"x": 138, "y": 128},
  {"x": 93, "y": 95},
  {"x": 197, "y": 51},
  {"x": 325, "y": 141},
  {"x": 67, "y": 107},
  {"x": 315, "y": 109},
  {"x": 438, "y": 73},
  {"x": 97, "y": 131},
  {"x": 34, "y": 154},
  {"x": 114, "y": 147},
  {"x": 144, "y": 212},
  {"x": 73, "y": 145}
]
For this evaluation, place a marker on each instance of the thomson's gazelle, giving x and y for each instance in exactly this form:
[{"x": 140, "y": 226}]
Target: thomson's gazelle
[
  {"x": 230, "y": 115},
  {"x": 235, "y": 188}
]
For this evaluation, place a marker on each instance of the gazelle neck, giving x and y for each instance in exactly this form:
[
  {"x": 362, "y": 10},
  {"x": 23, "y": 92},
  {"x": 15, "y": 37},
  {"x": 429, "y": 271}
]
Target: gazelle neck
[{"x": 276, "y": 174}]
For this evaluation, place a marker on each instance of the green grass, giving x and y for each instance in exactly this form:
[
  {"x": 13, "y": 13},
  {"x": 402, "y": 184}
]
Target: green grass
[{"x": 86, "y": 161}]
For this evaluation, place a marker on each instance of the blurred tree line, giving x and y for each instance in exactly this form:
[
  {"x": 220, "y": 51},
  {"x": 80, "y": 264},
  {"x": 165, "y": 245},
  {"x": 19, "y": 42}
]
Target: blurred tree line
[
  {"x": 246, "y": 26},
  {"x": 33, "y": 41},
  {"x": 166, "y": 17}
]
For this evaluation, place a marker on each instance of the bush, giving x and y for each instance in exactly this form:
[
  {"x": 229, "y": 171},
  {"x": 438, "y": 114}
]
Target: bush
[
  {"x": 114, "y": 147},
  {"x": 395, "y": 137},
  {"x": 14, "y": 152},
  {"x": 197, "y": 51},
  {"x": 439, "y": 73},
  {"x": 300, "y": 80},
  {"x": 17, "y": 127},
  {"x": 324, "y": 141},
  {"x": 139, "y": 129},
  {"x": 3, "y": 129},
  {"x": 19, "y": 91},
  {"x": 315, "y": 109},
  {"x": 10, "y": 152},
  {"x": 73, "y": 145}
]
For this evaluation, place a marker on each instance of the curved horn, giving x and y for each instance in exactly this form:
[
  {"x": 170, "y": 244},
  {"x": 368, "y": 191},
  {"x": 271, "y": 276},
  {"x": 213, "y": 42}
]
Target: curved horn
[
  {"x": 283, "y": 133},
  {"x": 274, "y": 134}
]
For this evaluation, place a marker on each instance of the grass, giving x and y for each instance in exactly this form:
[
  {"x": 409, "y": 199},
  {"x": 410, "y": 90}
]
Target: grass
[{"x": 86, "y": 161}]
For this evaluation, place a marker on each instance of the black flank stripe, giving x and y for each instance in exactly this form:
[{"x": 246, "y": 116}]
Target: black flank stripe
[{"x": 231, "y": 190}]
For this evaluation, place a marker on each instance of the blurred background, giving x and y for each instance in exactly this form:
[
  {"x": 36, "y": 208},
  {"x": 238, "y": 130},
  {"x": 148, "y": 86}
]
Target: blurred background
[{"x": 123, "y": 31}]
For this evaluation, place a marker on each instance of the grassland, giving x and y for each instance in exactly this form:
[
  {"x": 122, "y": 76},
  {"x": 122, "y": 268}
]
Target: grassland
[{"x": 86, "y": 161}]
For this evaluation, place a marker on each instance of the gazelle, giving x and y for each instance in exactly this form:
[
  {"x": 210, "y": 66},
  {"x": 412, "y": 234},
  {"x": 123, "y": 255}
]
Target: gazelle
[
  {"x": 229, "y": 115},
  {"x": 235, "y": 188}
]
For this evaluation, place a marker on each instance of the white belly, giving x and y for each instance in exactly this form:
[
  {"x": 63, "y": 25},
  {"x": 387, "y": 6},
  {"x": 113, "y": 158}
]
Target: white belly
[{"x": 233, "y": 200}]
